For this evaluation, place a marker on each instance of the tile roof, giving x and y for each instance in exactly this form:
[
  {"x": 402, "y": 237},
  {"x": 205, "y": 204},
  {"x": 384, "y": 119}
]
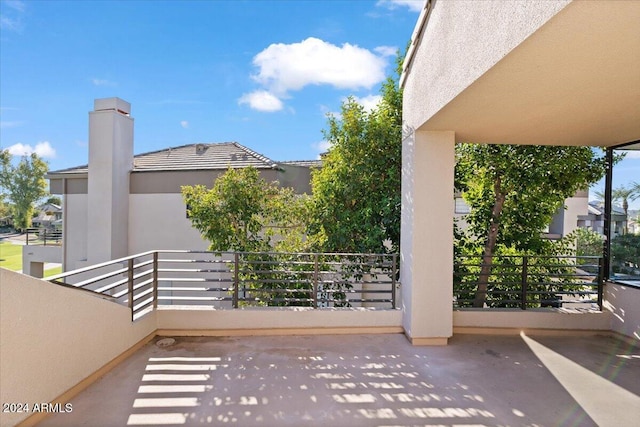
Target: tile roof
[
  {"x": 199, "y": 156},
  {"x": 309, "y": 163}
]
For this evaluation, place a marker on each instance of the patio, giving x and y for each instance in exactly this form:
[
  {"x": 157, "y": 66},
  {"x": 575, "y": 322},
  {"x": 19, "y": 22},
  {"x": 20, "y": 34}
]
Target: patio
[{"x": 367, "y": 380}]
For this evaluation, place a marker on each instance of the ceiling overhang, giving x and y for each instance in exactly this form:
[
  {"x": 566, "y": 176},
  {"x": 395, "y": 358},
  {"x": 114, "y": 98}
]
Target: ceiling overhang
[{"x": 575, "y": 81}]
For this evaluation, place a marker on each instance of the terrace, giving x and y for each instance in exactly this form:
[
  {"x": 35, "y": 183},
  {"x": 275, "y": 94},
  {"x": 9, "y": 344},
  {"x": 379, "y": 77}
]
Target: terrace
[
  {"x": 253, "y": 335},
  {"x": 361, "y": 380},
  {"x": 486, "y": 72}
]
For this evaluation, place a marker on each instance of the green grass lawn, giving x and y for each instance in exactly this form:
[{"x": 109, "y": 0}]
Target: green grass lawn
[
  {"x": 10, "y": 256},
  {"x": 11, "y": 259}
]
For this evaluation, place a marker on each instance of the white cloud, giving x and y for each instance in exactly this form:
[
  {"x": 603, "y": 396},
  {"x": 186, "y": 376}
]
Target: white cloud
[
  {"x": 632, "y": 154},
  {"x": 184, "y": 124},
  {"x": 413, "y": 5},
  {"x": 10, "y": 24},
  {"x": 287, "y": 67},
  {"x": 386, "y": 50},
  {"x": 321, "y": 147},
  {"x": 18, "y": 5},
  {"x": 103, "y": 82},
  {"x": 42, "y": 149},
  {"x": 13, "y": 22},
  {"x": 369, "y": 102},
  {"x": 10, "y": 124},
  {"x": 261, "y": 100}
]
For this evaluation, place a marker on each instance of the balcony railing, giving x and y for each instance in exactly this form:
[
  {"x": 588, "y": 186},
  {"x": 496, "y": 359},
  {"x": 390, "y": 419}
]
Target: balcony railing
[
  {"x": 241, "y": 279},
  {"x": 525, "y": 281},
  {"x": 43, "y": 236}
]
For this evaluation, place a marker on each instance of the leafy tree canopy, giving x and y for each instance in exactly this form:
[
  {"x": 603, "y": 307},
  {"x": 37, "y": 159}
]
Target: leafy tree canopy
[
  {"x": 356, "y": 193},
  {"x": 243, "y": 212},
  {"x": 24, "y": 184},
  {"x": 514, "y": 191}
]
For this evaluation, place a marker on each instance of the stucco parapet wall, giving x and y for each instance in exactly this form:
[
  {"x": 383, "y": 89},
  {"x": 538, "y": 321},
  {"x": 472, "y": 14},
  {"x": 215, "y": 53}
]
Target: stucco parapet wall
[
  {"x": 284, "y": 320},
  {"x": 52, "y": 338},
  {"x": 541, "y": 319}
]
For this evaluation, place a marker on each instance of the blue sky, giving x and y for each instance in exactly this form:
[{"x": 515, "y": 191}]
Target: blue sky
[{"x": 262, "y": 73}]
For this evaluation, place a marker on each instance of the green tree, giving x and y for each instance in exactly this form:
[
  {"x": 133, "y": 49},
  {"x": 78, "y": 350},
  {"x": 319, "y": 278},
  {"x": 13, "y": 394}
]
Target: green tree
[
  {"x": 514, "y": 191},
  {"x": 356, "y": 193},
  {"x": 54, "y": 200},
  {"x": 25, "y": 185},
  {"x": 623, "y": 194},
  {"x": 242, "y": 212},
  {"x": 5, "y": 209},
  {"x": 625, "y": 254}
]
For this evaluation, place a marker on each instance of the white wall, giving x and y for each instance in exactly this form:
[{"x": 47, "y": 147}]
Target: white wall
[
  {"x": 501, "y": 321},
  {"x": 462, "y": 40},
  {"x": 39, "y": 255},
  {"x": 110, "y": 163},
  {"x": 52, "y": 338},
  {"x": 75, "y": 231},
  {"x": 272, "y": 320},
  {"x": 624, "y": 304},
  {"x": 426, "y": 252},
  {"x": 159, "y": 221}
]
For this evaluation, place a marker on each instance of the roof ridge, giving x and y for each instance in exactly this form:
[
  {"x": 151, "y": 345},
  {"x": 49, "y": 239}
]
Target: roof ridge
[
  {"x": 255, "y": 154},
  {"x": 193, "y": 144}
]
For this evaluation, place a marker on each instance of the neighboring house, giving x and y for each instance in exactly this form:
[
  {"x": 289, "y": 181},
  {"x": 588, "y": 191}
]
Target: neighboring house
[
  {"x": 121, "y": 204},
  {"x": 564, "y": 221},
  {"x": 49, "y": 216},
  {"x": 594, "y": 220}
]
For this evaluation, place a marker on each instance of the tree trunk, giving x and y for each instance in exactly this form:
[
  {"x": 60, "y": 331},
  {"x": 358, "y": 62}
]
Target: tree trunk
[
  {"x": 625, "y": 208},
  {"x": 490, "y": 245}
]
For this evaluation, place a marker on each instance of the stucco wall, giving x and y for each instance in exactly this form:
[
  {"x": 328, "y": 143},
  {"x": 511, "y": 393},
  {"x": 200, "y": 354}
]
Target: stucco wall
[
  {"x": 75, "y": 230},
  {"x": 192, "y": 318},
  {"x": 159, "y": 221},
  {"x": 462, "y": 40},
  {"x": 501, "y": 320},
  {"x": 624, "y": 304},
  {"x": 52, "y": 338},
  {"x": 39, "y": 254}
]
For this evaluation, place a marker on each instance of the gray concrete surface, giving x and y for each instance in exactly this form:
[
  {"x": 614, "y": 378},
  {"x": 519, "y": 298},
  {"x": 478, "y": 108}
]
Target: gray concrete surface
[{"x": 367, "y": 380}]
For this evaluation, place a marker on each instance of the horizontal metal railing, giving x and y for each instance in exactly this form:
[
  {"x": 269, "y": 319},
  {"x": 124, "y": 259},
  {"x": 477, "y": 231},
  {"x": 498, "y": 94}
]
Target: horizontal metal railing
[
  {"x": 528, "y": 281},
  {"x": 241, "y": 279},
  {"x": 43, "y": 236}
]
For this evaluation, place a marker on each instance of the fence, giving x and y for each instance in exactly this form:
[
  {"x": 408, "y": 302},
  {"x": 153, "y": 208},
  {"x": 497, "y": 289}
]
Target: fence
[
  {"x": 43, "y": 236},
  {"x": 241, "y": 279},
  {"x": 526, "y": 281}
]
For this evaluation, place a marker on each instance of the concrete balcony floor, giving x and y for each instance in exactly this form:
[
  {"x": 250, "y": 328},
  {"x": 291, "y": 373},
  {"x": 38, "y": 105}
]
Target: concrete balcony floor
[{"x": 368, "y": 380}]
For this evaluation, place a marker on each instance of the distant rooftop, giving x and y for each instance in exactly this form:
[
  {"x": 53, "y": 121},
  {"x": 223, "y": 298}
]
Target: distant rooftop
[{"x": 201, "y": 156}]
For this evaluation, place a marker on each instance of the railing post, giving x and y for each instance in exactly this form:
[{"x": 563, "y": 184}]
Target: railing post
[
  {"x": 523, "y": 288},
  {"x": 393, "y": 282},
  {"x": 315, "y": 280},
  {"x": 27, "y": 239},
  {"x": 130, "y": 284},
  {"x": 236, "y": 281},
  {"x": 601, "y": 264},
  {"x": 45, "y": 237},
  {"x": 155, "y": 280}
]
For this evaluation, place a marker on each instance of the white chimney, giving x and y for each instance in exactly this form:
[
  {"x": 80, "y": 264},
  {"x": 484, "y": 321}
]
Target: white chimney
[{"x": 110, "y": 164}]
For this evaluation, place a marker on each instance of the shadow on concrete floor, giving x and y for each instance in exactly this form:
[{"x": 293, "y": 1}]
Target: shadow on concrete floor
[{"x": 366, "y": 380}]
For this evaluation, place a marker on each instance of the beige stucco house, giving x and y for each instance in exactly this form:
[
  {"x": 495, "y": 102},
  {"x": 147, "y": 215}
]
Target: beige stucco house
[{"x": 120, "y": 204}]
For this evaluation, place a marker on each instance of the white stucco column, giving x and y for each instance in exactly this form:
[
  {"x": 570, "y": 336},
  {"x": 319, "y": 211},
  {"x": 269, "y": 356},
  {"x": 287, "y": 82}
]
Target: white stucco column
[
  {"x": 426, "y": 249},
  {"x": 110, "y": 163}
]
